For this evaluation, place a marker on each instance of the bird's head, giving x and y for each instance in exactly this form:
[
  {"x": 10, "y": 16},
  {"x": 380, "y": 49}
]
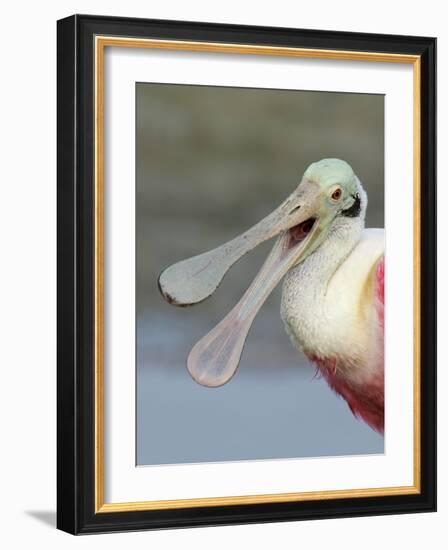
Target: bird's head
[{"x": 329, "y": 199}]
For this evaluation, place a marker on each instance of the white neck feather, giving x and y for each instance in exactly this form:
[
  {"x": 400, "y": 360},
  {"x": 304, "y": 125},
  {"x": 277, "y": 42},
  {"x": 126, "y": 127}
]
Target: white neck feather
[
  {"x": 315, "y": 317},
  {"x": 312, "y": 276}
]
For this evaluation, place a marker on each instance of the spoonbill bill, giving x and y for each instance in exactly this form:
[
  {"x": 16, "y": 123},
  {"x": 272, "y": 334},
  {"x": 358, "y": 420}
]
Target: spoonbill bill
[{"x": 333, "y": 291}]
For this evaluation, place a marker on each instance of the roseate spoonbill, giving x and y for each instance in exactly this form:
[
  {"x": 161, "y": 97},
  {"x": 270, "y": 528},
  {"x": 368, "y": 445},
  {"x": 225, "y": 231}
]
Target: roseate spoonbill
[{"x": 333, "y": 293}]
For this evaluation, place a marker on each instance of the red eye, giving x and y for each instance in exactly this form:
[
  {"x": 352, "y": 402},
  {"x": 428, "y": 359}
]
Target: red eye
[{"x": 337, "y": 194}]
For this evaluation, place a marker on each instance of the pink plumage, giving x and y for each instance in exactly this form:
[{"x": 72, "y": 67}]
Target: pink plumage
[{"x": 365, "y": 400}]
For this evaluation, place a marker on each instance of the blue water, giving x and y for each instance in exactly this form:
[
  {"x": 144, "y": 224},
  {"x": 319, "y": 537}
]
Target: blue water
[{"x": 274, "y": 407}]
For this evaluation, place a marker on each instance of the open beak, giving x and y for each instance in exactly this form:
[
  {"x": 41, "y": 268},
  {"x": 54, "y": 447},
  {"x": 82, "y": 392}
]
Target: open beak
[{"x": 214, "y": 359}]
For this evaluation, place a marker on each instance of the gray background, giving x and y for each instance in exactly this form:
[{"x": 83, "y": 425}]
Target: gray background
[{"x": 210, "y": 163}]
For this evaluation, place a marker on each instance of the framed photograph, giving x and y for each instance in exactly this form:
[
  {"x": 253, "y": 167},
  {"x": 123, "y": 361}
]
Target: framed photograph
[{"x": 281, "y": 184}]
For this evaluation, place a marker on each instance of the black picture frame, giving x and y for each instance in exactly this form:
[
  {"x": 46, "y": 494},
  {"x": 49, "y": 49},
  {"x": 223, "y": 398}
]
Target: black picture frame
[{"x": 76, "y": 512}]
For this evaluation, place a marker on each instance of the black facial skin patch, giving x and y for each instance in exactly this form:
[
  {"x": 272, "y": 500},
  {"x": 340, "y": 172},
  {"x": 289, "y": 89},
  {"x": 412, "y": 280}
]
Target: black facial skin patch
[{"x": 354, "y": 210}]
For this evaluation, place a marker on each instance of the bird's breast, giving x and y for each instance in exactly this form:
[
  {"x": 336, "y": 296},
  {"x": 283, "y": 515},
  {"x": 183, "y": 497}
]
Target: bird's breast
[
  {"x": 322, "y": 321},
  {"x": 327, "y": 308}
]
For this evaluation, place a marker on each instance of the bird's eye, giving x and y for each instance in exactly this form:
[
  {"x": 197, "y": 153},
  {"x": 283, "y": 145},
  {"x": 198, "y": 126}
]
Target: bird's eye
[{"x": 337, "y": 194}]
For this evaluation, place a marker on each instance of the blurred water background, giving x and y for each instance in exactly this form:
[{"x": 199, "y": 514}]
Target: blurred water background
[{"x": 210, "y": 163}]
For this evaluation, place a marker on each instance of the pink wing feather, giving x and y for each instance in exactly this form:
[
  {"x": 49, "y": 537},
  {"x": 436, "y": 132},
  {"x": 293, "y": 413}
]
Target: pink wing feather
[
  {"x": 366, "y": 401},
  {"x": 379, "y": 289}
]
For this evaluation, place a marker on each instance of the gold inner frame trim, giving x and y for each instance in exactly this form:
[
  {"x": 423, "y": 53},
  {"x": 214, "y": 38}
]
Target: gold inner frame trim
[{"x": 101, "y": 42}]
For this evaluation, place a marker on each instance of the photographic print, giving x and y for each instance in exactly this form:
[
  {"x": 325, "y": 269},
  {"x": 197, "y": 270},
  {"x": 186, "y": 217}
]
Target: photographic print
[
  {"x": 261, "y": 210},
  {"x": 246, "y": 274}
]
